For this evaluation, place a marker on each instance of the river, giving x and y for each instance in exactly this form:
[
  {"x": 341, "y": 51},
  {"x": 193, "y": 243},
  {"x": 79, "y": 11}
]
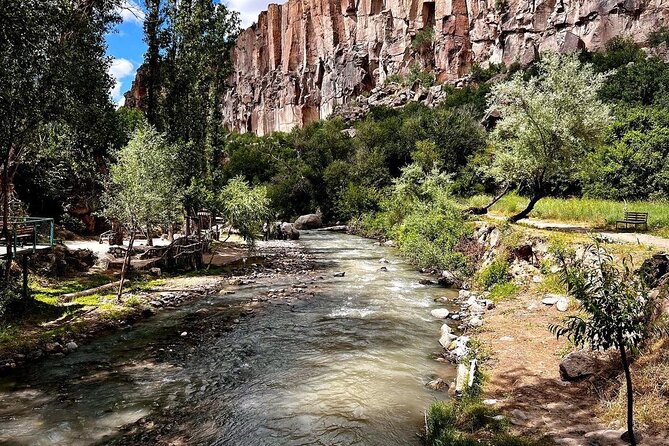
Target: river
[{"x": 347, "y": 366}]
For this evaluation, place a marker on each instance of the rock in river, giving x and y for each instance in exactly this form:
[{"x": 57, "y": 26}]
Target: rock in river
[
  {"x": 440, "y": 313},
  {"x": 309, "y": 221}
]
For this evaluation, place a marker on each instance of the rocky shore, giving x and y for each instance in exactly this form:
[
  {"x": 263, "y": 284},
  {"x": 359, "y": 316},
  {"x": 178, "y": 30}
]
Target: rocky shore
[{"x": 275, "y": 260}]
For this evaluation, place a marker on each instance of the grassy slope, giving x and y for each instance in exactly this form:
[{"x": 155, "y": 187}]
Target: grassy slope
[{"x": 591, "y": 212}]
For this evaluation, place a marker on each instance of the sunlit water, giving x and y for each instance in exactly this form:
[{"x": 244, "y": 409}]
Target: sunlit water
[{"x": 345, "y": 367}]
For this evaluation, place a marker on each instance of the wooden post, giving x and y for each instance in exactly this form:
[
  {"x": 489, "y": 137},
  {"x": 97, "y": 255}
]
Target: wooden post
[{"x": 25, "y": 276}]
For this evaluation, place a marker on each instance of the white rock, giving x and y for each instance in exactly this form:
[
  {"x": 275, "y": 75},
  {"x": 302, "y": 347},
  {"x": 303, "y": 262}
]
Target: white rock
[
  {"x": 490, "y": 402},
  {"x": 446, "y": 336},
  {"x": 464, "y": 294},
  {"x": 562, "y": 304},
  {"x": 471, "y": 301},
  {"x": 476, "y": 308},
  {"x": 71, "y": 346},
  {"x": 475, "y": 322},
  {"x": 440, "y": 313},
  {"x": 184, "y": 334},
  {"x": 537, "y": 279}
]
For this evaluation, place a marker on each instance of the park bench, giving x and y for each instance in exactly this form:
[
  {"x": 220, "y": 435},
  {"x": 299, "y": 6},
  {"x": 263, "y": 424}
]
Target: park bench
[
  {"x": 633, "y": 219},
  {"x": 106, "y": 236}
]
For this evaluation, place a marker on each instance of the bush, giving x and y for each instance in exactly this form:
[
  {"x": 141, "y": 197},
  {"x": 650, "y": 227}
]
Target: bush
[{"x": 496, "y": 273}]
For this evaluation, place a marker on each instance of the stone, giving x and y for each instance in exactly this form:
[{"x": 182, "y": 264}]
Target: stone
[
  {"x": 383, "y": 269},
  {"x": 426, "y": 282},
  {"x": 440, "y": 313},
  {"x": 289, "y": 231},
  {"x": 339, "y": 274},
  {"x": 464, "y": 294},
  {"x": 309, "y": 221},
  {"x": 449, "y": 280},
  {"x": 562, "y": 304},
  {"x": 156, "y": 272},
  {"x": 577, "y": 365},
  {"x": 551, "y": 299},
  {"x": 389, "y": 244},
  {"x": 437, "y": 384},
  {"x": 184, "y": 334},
  {"x": 383, "y": 260},
  {"x": 475, "y": 322},
  {"x": 53, "y": 347},
  {"x": 71, "y": 346},
  {"x": 447, "y": 336}
]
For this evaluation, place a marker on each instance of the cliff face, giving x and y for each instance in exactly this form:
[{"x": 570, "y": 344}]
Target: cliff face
[{"x": 305, "y": 57}]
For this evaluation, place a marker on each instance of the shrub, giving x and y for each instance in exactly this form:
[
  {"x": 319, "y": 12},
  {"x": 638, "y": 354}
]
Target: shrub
[{"x": 494, "y": 274}]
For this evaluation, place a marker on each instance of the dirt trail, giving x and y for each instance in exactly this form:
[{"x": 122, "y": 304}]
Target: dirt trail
[
  {"x": 524, "y": 379},
  {"x": 622, "y": 237}
]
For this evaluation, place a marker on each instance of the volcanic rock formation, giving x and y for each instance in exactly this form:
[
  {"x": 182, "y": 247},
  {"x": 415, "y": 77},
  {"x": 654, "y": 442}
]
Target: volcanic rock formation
[{"x": 304, "y": 58}]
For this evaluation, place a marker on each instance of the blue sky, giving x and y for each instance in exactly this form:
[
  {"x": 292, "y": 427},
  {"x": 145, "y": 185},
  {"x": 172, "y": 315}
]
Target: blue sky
[{"x": 126, "y": 45}]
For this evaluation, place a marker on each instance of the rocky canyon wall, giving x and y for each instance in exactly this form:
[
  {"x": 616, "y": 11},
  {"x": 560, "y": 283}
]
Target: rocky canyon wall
[{"x": 305, "y": 57}]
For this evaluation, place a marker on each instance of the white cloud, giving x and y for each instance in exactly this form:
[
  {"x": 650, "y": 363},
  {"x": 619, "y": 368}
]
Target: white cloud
[
  {"x": 249, "y": 9},
  {"x": 119, "y": 70},
  {"x": 131, "y": 12}
]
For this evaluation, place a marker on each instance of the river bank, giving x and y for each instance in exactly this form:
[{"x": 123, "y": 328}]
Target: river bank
[{"x": 57, "y": 329}]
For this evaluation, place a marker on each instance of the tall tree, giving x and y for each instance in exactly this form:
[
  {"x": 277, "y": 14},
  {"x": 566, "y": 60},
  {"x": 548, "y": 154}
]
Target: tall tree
[
  {"x": 153, "y": 32},
  {"x": 199, "y": 36},
  {"x": 53, "y": 68},
  {"x": 549, "y": 124}
]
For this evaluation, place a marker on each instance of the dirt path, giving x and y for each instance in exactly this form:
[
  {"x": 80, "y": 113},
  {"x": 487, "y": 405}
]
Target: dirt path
[
  {"x": 622, "y": 237},
  {"x": 524, "y": 379}
]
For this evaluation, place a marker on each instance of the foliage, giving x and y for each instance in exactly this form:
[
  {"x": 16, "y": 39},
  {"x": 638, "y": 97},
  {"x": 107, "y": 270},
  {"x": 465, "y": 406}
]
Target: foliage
[
  {"x": 425, "y": 78},
  {"x": 634, "y": 164},
  {"x": 245, "y": 208},
  {"x": 641, "y": 83},
  {"x": 423, "y": 39},
  {"x": 54, "y": 86},
  {"x": 480, "y": 74},
  {"x": 618, "y": 312},
  {"x": 658, "y": 36},
  {"x": 143, "y": 189},
  {"x": 549, "y": 123},
  {"x": 497, "y": 273}
]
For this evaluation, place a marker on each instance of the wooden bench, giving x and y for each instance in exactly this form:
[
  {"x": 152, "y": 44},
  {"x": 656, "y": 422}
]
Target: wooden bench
[{"x": 634, "y": 219}]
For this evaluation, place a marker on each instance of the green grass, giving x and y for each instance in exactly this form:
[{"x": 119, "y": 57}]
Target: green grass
[
  {"x": 503, "y": 291},
  {"x": 592, "y": 212}
]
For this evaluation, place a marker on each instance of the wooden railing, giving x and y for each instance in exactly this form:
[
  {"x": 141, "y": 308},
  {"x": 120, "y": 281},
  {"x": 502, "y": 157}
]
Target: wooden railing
[{"x": 31, "y": 232}]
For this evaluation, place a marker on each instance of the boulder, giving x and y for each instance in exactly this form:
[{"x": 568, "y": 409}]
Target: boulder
[
  {"x": 577, "y": 365},
  {"x": 447, "y": 336},
  {"x": 289, "y": 231},
  {"x": 437, "y": 384},
  {"x": 562, "y": 304},
  {"x": 309, "y": 221},
  {"x": 449, "y": 280},
  {"x": 71, "y": 346},
  {"x": 440, "y": 313},
  {"x": 653, "y": 270}
]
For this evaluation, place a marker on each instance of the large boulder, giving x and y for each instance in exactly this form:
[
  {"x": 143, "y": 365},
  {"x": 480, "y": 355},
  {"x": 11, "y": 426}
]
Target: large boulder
[
  {"x": 310, "y": 221},
  {"x": 289, "y": 232},
  {"x": 577, "y": 365}
]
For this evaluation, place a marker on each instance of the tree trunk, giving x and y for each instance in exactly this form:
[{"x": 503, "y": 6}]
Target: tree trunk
[
  {"x": 630, "y": 390},
  {"x": 149, "y": 239},
  {"x": 5, "y": 221},
  {"x": 484, "y": 210},
  {"x": 525, "y": 212},
  {"x": 126, "y": 265}
]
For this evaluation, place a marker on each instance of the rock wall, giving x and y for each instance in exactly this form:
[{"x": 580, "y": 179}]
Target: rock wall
[{"x": 305, "y": 57}]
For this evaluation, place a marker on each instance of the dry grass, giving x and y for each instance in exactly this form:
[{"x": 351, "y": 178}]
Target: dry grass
[{"x": 650, "y": 374}]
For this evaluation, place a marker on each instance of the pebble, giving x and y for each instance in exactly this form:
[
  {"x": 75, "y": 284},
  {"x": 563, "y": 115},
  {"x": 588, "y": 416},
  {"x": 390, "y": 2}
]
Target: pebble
[
  {"x": 184, "y": 334},
  {"x": 562, "y": 304},
  {"x": 440, "y": 313}
]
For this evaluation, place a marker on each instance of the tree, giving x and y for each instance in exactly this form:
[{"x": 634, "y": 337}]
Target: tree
[
  {"x": 143, "y": 190},
  {"x": 549, "y": 123},
  {"x": 53, "y": 68},
  {"x": 245, "y": 208},
  {"x": 618, "y": 311}
]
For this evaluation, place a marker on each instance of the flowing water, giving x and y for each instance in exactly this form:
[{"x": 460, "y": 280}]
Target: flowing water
[{"x": 345, "y": 367}]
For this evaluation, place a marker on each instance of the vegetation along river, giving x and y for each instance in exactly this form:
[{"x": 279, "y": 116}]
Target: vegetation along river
[{"x": 347, "y": 366}]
